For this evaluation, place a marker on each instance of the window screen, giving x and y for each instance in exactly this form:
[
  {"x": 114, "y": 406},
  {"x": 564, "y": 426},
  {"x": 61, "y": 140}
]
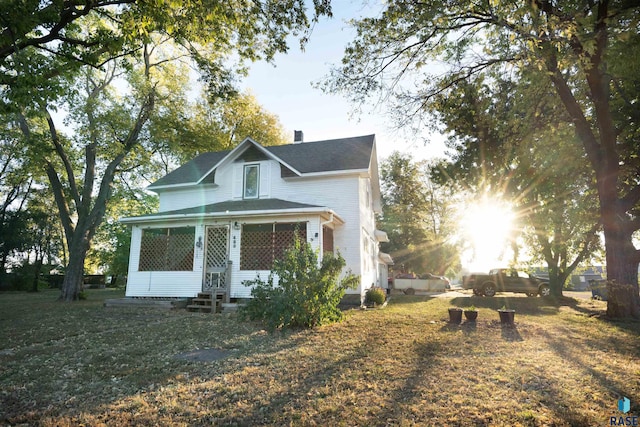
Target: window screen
[
  {"x": 167, "y": 249},
  {"x": 261, "y": 244}
]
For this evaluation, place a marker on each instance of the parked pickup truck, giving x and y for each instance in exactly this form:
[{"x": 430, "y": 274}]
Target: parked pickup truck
[{"x": 505, "y": 280}]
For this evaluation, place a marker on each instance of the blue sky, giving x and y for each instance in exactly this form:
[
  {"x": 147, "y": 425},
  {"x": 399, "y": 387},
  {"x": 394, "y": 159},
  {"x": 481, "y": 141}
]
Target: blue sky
[{"x": 286, "y": 89}]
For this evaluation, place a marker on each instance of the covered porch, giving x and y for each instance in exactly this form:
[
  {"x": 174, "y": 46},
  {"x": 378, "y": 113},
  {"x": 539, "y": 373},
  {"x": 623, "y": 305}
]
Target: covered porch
[{"x": 214, "y": 248}]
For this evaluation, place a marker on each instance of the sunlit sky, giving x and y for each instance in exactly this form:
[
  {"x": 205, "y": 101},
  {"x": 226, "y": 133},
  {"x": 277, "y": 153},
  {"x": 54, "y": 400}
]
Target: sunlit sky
[
  {"x": 286, "y": 89},
  {"x": 487, "y": 226}
]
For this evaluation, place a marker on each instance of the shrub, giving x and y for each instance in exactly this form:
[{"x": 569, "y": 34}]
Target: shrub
[
  {"x": 376, "y": 296},
  {"x": 298, "y": 293}
]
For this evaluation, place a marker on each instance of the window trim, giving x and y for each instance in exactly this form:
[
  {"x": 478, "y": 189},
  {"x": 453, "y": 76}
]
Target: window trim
[{"x": 245, "y": 171}]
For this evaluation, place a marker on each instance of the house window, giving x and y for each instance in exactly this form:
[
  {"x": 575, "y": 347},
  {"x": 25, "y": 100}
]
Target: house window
[
  {"x": 327, "y": 239},
  {"x": 251, "y": 181},
  {"x": 264, "y": 243},
  {"x": 167, "y": 249}
]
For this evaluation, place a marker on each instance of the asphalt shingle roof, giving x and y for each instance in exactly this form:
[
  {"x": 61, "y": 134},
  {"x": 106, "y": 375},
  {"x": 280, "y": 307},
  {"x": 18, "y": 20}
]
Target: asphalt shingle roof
[
  {"x": 235, "y": 206},
  {"x": 307, "y": 157},
  {"x": 326, "y": 156},
  {"x": 193, "y": 170}
]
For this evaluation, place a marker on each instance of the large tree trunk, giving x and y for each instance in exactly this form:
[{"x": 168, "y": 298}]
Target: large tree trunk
[
  {"x": 622, "y": 266},
  {"x": 74, "y": 274},
  {"x": 37, "y": 270},
  {"x": 556, "y": 280},
  {"x": 602, "y": 151},
  {"x": 73, "y": 280},
  {"x": 621, "y": 258}
]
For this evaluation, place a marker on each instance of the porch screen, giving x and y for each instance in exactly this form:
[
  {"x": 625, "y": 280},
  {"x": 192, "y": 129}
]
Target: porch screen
[
  {"x": 262, "y": 244},
  {"x": 167, "y": 249}
]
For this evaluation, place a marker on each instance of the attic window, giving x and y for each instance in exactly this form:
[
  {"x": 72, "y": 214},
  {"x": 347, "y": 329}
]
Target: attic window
[{"x": 251, "y": 181}]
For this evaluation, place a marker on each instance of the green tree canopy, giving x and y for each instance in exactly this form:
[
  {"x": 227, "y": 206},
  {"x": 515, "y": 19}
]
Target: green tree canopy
[
  {"x": 118, "y": 68},
  {"x": 40, "y": 41},
  {"x": 417, "y": 216},
  {"x": 515, "y": 144},
  {"x": 415, "y": 51},
  {"x": 214, "y": 125}
]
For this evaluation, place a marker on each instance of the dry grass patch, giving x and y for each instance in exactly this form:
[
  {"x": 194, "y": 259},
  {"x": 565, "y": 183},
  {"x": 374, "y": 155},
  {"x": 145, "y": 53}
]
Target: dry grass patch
[{"x": 404, "y": 365}]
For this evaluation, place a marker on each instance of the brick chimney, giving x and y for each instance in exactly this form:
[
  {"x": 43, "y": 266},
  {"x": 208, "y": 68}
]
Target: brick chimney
[{"x": 298, "y": 136}]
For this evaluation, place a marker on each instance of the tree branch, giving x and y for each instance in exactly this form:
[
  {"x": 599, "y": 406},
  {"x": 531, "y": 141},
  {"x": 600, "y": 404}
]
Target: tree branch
[
  {"x": 99, "y": 207},
  {"x": 61, "y": 202},
  {"x": 65, "y": 160},
  {"x": 67, "y": 16},
  {"x": 631, "y": 198},
  {"x": 590, "y": 238}
]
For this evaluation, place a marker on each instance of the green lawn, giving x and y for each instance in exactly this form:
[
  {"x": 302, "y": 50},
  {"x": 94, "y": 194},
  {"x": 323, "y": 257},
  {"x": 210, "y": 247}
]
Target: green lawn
[{"x": 83, "y": 364}]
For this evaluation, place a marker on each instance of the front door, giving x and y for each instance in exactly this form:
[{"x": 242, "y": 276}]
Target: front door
[{"x": 215, "y": 259}]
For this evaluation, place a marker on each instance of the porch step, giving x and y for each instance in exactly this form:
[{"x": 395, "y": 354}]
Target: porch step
[{"x": 204, "y": 303}]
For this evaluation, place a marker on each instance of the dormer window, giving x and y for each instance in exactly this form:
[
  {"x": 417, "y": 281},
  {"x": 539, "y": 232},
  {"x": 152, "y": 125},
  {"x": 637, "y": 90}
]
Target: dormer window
[{"x": 251, "y": 181}]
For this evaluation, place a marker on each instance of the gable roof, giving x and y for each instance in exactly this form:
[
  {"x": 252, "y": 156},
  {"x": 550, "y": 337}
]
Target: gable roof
[{"x": 336, "y": 155}]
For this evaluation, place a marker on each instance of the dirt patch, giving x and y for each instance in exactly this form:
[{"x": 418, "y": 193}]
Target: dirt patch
[{"x": 203, "y": 355}]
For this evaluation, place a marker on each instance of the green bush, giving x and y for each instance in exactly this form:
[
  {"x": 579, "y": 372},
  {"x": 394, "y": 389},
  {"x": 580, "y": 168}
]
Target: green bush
[
  {"x": 298, "y": 293},
  {"x": 375, "y": 296}
]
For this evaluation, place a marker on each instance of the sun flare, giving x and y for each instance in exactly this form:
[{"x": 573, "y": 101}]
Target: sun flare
[{"x": 487, "y": 226}]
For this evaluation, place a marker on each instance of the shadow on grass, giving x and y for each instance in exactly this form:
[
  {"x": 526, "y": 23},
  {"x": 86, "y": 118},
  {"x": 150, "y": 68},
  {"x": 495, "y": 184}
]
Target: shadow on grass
[
  {"x": 578, "y": 354},
  {"x": 275, "y": 379},
  {"x": 510, "y": 333},
  {"x": 344, "y": 375},
  {"x": 464, "y": 326},
  {"x": 412, "y": 390},
  {"x": 626, "y": 325}
]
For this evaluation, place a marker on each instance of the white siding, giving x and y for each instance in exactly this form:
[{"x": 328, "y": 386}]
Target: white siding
[
  {"x": 370, "y": 272},
  {"x": 340, "y": 194},
  {"x": 229, "y": 182},
  {"x": 163, "y": 283},
  {"x": 192, "y": 196},
  {"x": 238, "y": 179},
  {"x": 346, "y": 195}
]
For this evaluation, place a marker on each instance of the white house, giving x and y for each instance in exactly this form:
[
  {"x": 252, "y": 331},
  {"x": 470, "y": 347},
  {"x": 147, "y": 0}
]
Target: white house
[{"x": 224, "y": 217}]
